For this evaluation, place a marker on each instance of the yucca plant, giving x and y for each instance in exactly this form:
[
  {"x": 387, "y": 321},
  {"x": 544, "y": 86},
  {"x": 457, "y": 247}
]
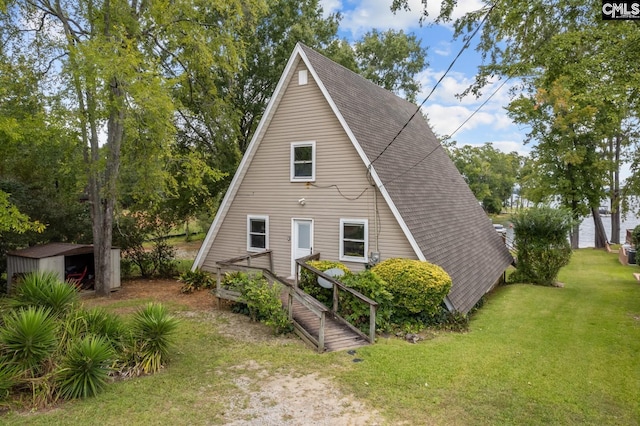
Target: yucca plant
[
  {"x": 108, "y": 325},
  {"x": 152, "y": 328},
  {"x": 29, "y": 337},
  {"x": 85, "y": 370},
  {"x": 8, "y": 375},
  {"x": 45, "y": 289}
]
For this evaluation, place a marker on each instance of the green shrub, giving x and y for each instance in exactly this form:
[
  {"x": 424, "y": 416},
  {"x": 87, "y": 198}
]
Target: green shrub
[
  {"x": 309, "y": 283},
  {"x": 369, "y": 284},
  {"x": 196, "y": 280},
  {"x": 417, "y": 286},
  {"x": 45, "y": 289},
  {"x": 265, "y": 305},
  {"x": 541, "y": 239},
  {"x": 234, "y": 281},
  {"x": 635, "y": 237},
  {"x": 163, "y": 259},
  {"x": 85, "y": 370},
  {"x": 152, "y": 330},
  {"x": 29, "y": 337}
]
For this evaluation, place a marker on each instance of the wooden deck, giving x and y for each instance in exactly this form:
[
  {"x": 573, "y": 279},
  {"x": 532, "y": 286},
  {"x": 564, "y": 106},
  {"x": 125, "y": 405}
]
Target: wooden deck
[{"x": 337, "y": 335}]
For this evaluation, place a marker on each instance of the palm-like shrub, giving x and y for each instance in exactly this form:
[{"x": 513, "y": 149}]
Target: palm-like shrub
[
  {"x": 105, "y": 324},
  {"x": 8, "y": 375},
  {"x": 85, "y": 370},
  {"x": 29, "y": 337},
  {"x": 45, "y": 289},
  {"x": 152, "y": 329}
]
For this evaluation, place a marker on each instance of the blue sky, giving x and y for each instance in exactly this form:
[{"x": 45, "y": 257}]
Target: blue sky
[{"x": 446, "y": 111}]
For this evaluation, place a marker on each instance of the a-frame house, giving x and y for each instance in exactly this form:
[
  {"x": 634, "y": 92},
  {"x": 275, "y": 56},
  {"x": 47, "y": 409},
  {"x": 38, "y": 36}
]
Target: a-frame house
[{"x": 329, "y": 170}]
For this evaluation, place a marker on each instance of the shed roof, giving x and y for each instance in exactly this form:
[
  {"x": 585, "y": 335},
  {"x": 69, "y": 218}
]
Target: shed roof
[
  {"x": 52, "y": 250},
  {"x": 444, "y": 220}
]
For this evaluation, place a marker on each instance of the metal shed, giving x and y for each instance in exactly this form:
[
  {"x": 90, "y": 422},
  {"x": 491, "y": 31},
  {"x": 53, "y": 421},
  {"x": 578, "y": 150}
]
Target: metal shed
[{"x": 62, "y": 258}]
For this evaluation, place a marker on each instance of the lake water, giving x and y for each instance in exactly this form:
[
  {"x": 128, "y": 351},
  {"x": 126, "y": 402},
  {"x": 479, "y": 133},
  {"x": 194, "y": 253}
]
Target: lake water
[{"x": 587, "y": 232}]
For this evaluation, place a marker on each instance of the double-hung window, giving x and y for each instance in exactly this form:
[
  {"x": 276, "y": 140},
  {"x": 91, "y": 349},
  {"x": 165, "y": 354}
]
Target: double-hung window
[
  {"x": 257, "y": 233},
  {"x": 354, "y": 244},
  {"x": 303, "y": 162}
]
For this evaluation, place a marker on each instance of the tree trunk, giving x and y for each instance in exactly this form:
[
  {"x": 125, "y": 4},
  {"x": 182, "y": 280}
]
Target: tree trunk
[
  {"x": 600, "y": 234},
  {"x": 574, "y": 236},
  {"x": 615, "y": 191}
]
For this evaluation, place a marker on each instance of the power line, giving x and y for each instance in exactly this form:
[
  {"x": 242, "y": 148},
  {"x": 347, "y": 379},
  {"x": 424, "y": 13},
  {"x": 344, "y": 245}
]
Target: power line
[
  {"x": 478, "y": 109},
  {"x": 464, "y": 47},
  {"x": 454, "y": 132}
]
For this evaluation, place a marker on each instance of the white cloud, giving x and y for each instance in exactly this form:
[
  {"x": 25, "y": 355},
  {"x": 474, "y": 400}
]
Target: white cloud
[
  {"x": 443, "y": 48},
  {"x": 330, "y": 6},
  {"x": 360, "y": 16}
]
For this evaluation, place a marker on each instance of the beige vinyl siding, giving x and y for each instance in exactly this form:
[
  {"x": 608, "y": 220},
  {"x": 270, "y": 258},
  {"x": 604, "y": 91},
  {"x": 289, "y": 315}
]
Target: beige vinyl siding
[{"x": 341, "y": 189}]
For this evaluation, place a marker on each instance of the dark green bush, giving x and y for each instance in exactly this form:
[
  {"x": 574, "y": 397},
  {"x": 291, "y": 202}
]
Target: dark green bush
[
  {"x": 132, "y": 231},
  {"x": 416, "y": 286},
  {"x": 635, "y": 237},
  {"x": 309, "y": 283},
  {"x": 369, "y": 284},
  {"x": 196, "y": 280},
  {"x": 541, "y": 239}
]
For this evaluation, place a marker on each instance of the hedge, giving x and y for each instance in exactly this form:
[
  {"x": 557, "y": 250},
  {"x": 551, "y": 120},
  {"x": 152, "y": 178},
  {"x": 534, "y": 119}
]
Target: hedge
[{"x": 417, "y": 286}]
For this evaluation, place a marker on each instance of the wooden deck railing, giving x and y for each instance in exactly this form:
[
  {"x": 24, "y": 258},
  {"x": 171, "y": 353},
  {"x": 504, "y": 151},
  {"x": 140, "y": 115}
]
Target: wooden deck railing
[
  {"x": 292, "y": 293},
  {"x": 338, "y": 286}
]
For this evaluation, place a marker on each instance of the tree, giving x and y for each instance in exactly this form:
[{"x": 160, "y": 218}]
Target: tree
[
  {"x": 119, "y": 62},
  {"x": 544, "y": 42},
  {"x": 282, "y": 24},
  {"x": 490, "y": 173},
  {"x": 391, "y": 59}
]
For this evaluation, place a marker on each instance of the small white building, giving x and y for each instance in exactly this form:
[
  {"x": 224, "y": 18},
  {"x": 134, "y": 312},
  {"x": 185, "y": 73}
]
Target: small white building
[{"x": 60, "y": 258}]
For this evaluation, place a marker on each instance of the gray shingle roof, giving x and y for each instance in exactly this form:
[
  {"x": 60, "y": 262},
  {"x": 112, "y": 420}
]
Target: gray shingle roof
[
  {"x": 52, "y": 250},
  {"x": 439, "y": 209}
]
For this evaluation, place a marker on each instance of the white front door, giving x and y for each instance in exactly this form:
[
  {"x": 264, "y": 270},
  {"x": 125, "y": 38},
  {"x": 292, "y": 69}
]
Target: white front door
[{"x": 301, "y": 241}]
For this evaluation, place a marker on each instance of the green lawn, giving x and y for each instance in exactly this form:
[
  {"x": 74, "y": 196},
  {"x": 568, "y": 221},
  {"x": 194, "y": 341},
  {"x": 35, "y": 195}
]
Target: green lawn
[{"x": 533, "y": 355}]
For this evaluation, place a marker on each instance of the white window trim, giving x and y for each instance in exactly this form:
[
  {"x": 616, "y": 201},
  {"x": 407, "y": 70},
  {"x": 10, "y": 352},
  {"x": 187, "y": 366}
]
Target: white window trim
[
  {"x": 266, "y": 228},
  {"x": 364, "y": 222},
  {"x": 294, "y": 145},
  {"x": 302, "y": 77}
]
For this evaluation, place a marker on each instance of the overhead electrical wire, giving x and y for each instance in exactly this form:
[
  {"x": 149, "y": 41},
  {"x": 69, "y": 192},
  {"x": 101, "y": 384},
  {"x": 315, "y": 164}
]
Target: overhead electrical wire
[
  {"x": 464, "y": 47},
  {"x": 449, "y": 136}
]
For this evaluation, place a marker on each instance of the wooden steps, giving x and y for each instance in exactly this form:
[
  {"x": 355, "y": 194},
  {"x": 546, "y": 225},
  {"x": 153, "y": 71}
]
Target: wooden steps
[{"x": 337, "y": 336}]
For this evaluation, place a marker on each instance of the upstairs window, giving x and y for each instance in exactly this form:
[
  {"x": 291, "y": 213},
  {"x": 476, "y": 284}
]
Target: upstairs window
[
  {"x": 303, "y": 162},
  {"x": 257, "y": 233},
  {"x": 354, "y": 243}
]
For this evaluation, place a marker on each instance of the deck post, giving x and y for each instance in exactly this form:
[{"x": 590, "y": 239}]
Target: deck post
[
  {"x": 321, "y": 334},
  {"x": 270, "y": 261},
  {"x": 334, "y": 308},
  {"x": 372, "y": 324},
  {"x": 290, "y": 304},
  {"x": 218, "y": 286},
  {"x": 296, "y": 275}
]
